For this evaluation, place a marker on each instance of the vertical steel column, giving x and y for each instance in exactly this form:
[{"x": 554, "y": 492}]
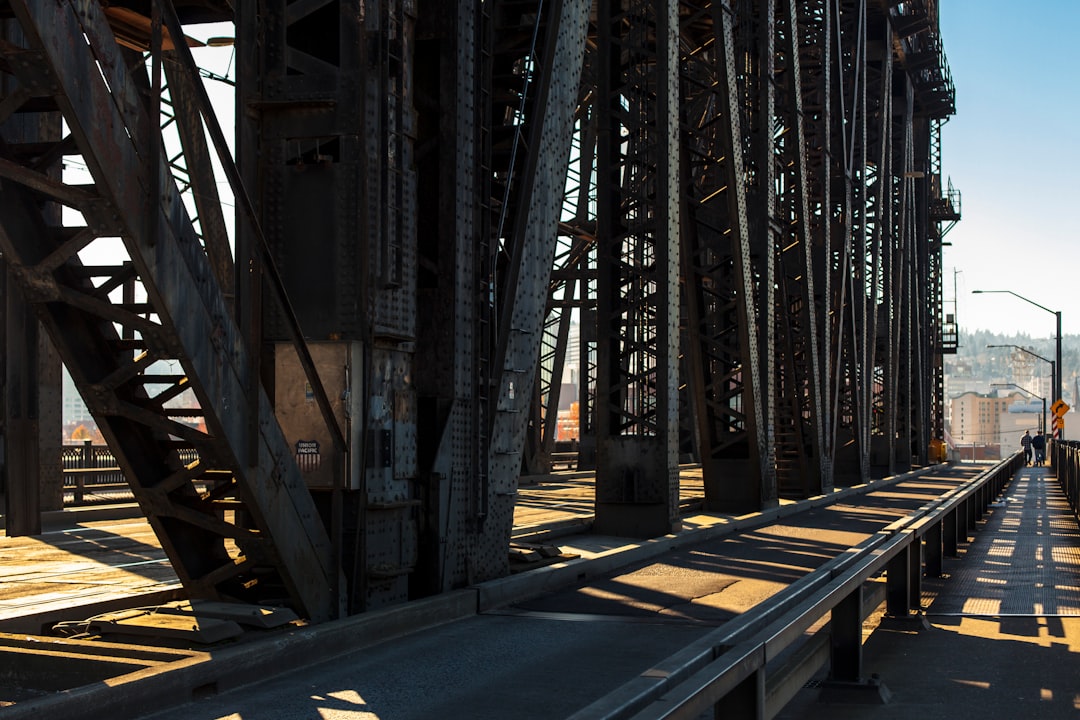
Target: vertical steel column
[
  {"x": 906, "y": 342},
  {"x": 950, "y": 533},
  {"x": 933, "y": 549},
  {"x": 21, "y": 451},
  {"x": 29, "y": 368},
  {"x": 726, "y": 379},
  {"x": 449, "y": 65},
  {"x": 318, "y": 151},
  {"x": 926, "y": 301},
  {"x": 755, "y": 44},
  {"x": 915, "y": 574},
  {"x": 882, "y": 425},
  {"x": 898, "y": 584},
  {"x": 803, "y": 440},
  {"x": 845, "y": 638},
  {"x": 637, "y": 490},
  {"x": 850, "y": 403}
]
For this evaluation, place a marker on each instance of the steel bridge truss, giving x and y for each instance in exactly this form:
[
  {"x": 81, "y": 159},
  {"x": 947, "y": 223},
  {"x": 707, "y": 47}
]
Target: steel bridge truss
[
  {"x": 147, "y": 334},
  {"x": 737, "y": 204}
]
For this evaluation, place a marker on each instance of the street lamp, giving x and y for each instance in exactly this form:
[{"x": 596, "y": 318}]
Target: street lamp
[
  {"x": 1058, "y": 370},
  {"x": 1037, "y": 397},
  {"x": 1053, "y": 365}
]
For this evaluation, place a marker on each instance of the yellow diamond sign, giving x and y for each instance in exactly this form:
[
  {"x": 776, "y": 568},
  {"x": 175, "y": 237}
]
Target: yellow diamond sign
[{"x": 1059, "y": 408}]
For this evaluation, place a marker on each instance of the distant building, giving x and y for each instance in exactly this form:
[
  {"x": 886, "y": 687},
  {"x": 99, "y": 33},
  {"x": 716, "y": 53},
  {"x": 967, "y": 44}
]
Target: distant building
[
  {"x": 977, "y": 419},
  {"x": 74, "y": 409}
]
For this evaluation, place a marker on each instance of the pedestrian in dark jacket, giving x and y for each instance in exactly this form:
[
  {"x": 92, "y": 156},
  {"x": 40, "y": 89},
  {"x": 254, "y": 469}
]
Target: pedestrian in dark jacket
[{"x": 1038, "y": 444}]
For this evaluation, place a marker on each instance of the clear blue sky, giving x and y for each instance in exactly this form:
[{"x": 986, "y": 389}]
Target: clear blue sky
[{"x": 1012, "y": 151}]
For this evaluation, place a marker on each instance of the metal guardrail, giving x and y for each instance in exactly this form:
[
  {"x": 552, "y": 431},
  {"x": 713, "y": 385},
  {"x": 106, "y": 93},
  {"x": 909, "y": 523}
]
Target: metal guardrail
[
  {"x": 732, "y": 664},
  {"x": 1064, "y": 457},
  {"x": 91, "y": 470}
]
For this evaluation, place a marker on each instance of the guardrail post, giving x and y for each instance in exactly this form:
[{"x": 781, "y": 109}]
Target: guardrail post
[
  {"x": 745, "y": 701},
  {"x": 967, "y": 526},
  {"x": 933, "y": 549},
  {"x": 949, "y": 534},
  {"x": 845, "y": 639},
  {"x": 85, "y": 456},
  {"x": 1067, "y": 474},
  {"x": 915, "y": 572},
  {"x": 897, "y": 584}
]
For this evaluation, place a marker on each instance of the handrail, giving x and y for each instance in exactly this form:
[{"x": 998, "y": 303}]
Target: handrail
[
  {"x": 1064, "y": 456},
  {"x": 696, "y": 678}
]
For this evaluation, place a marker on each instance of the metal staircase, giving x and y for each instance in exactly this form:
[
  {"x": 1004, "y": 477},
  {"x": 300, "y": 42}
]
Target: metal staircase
[{"x": 238, "y": 522}]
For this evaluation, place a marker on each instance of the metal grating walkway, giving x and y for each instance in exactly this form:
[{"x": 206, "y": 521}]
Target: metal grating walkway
[{"x": 1026, "y": 561}]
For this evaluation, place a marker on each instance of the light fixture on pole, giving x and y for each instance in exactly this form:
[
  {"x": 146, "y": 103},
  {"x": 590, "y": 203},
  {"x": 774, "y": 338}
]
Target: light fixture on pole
[
  {"x": 1053, "y": 365},
  {"x": 1058, "y": 370}
]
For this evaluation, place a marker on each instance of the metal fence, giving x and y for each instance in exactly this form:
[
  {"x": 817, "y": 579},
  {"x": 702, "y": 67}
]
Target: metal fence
[
  {"x": 1065, "y": 459},
  {"x": 730, "y": 665},
  {"x": 92, "y": 474}
]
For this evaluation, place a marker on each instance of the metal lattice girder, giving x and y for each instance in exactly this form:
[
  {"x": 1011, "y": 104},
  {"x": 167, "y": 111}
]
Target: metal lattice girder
[
  {"x": 563, "y": 297},
  {"x": 638, "y": 265},
  {"x": 722, "y": 321},
  {"x": 198, "y": 172},
  {"x": 569, "y": 287},
  {"x": 847, "y": 310},
  {"x": 525, "y": 238},
  {"x": 899, "y": 387},
  {"x": 804, "y": 447},
  {"x": 232, "y": 528},
  {"x": 880, "y": 194},
  {"x": 855, "y": 418}
]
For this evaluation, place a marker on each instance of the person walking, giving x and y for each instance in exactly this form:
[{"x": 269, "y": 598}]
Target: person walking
[
  {"x": 1038, "y": 444},
  {"x": 1025, "y": 442}
]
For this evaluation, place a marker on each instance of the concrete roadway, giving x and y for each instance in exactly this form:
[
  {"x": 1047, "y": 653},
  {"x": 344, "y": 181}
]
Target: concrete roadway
[{"x": 92, "y": 559}]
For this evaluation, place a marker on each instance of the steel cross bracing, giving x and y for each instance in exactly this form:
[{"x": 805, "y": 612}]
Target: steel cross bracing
[
  {"x": 721, "y": 317},
  {"x": 234, "y": 527},
  {"x": 847, "y": 339},
  {"x": 637, "y": 265},
  {"x": 804, "y": 443}
]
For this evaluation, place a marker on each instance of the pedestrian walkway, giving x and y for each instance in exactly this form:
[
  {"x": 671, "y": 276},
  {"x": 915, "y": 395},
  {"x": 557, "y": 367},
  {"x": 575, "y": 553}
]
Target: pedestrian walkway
[{"x": 1000, "y": 639}]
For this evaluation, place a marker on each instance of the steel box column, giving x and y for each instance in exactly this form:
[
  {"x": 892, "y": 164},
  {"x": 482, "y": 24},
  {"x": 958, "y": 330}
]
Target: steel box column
[{"x": 638, "y": 260}]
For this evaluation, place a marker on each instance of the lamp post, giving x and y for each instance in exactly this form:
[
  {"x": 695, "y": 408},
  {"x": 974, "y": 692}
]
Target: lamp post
[
  {"x": 1053, "y": 365},
  {"x": 1058, "y": 370}
]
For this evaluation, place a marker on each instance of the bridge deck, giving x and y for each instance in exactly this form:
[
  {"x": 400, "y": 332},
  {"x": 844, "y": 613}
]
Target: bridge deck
[
  {"x": 91, "y": 559},
  {"x": 534, "y": 655}
]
